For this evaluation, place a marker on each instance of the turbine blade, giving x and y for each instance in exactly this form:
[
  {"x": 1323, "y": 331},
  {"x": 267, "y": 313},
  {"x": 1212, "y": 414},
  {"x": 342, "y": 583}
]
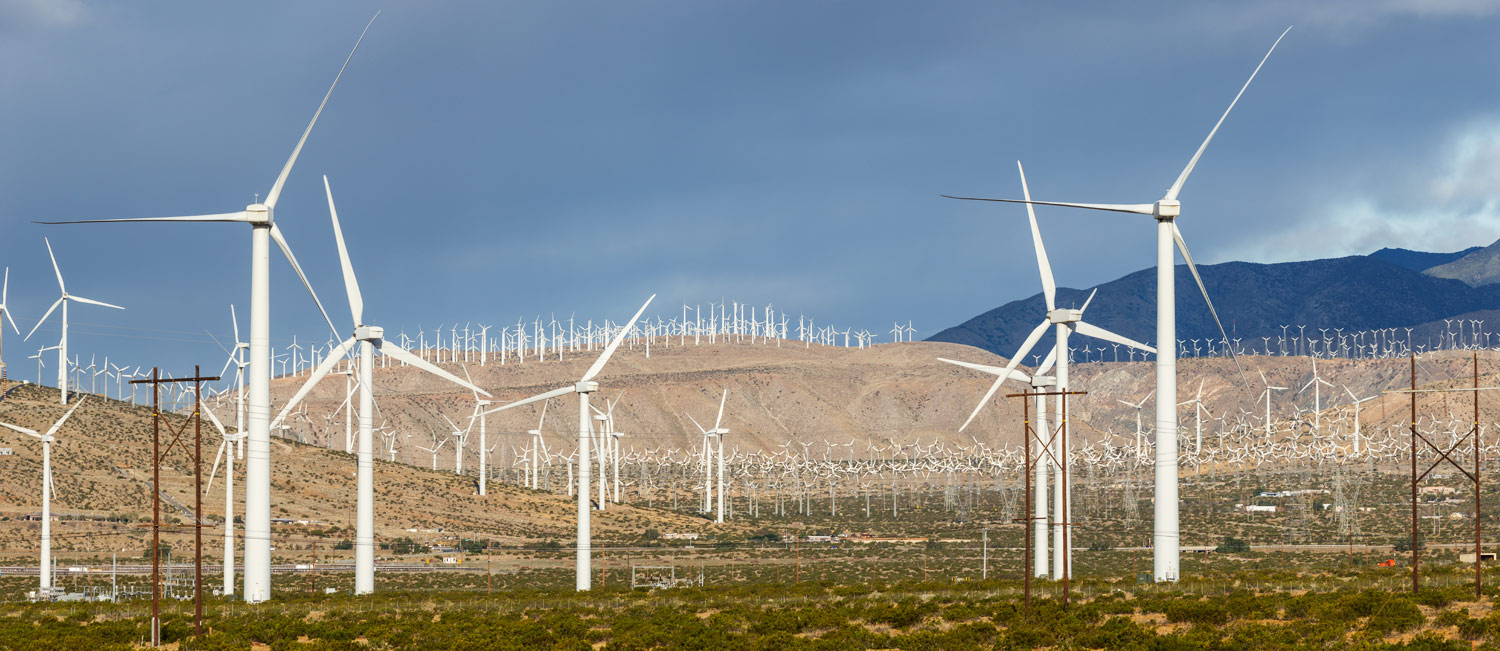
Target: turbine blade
[
  {"x": 1088, "y": 300},
  {"x": 604, "y": 357},
  {"x": 351, "y": 284},
  {"x": 1134, "y": 208},
  {"x": 1182, "y": 178},
  {"x": 1188, "y": 257},
  {"x": 236, "y": 321},
  {"x": 323, "y": 368},
  {"x": 58, "y": 425},
  {"x": 720, "y": 419},
  {"x": 1091, "y": 330},
  {"x": 43, "y": 319},
  {"x": 387, "y": 348},
  {"x": 1035, "y": 336},
  {"x": 213, "y": 419},
  {"x": 526, "y": 401},
  {"x": 216, "y": 217},
  {"x": 985, "y": 368},
  {"x": 54, "y": 266},
  {"x": 1048, "y": 361},
  {"x": 275, "y": 192},
  {"x": 1049, "y": 286},
  {"x": 91, "y": 301},
  {"x": 218, "y": 456},
  {"x": 287, "y": 251},
  {"x": 29, "y": 432}
]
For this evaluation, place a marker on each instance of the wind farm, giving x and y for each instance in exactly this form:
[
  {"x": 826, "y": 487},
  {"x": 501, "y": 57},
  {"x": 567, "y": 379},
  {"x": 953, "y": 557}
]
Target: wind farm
[{"x": 598, "y": 386}]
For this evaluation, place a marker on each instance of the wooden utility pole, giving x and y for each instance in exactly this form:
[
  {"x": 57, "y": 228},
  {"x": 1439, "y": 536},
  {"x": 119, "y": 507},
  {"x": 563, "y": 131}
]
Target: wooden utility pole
[{"x": 156, "y": 526}]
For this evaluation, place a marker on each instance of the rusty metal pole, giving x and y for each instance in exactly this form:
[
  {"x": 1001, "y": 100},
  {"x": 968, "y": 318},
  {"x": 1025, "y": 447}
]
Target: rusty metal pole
[
  {"x": 197, "y": 501},
  {"x": 1067, "y": 516},
  {"x": 155, "y": 508},
  {"x": 1415, "y": 555},
  {"x": 1478, "y": 538},
  {"x": 1026, "y": 481}
]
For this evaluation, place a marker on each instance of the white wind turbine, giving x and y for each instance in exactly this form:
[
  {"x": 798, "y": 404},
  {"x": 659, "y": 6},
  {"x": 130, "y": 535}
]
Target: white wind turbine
[
  {"x": 1357, "y": 401},
  {"x": 231, "y": 443},
  {"x": 369, "y": 339},
  {"x": 47, "y": 489},
  {"x": 263, "y": 230},
  {"x": 583, "y": 388},
  {"x": 1140, "y": 443},
  {"x": 62, "y": 342},
  {"x": 1316, "y": 383},
  {"x": 1166, "y": 552},
  {"x": 1064, "y": 322},
  {"x": 716, "y": 433},
  {"x": 1267, "y": 395},
  {"x": 5, "y": 315}
]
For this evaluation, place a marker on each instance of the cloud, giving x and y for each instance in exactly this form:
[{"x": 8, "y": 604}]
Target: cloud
[
  {"x": 43, "y": 13},
  {"x": 1446, "y": 200}
]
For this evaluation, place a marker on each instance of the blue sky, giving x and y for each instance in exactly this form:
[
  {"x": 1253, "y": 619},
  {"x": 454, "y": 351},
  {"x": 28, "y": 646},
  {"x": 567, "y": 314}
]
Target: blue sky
[{"x": 499, "y": 160}]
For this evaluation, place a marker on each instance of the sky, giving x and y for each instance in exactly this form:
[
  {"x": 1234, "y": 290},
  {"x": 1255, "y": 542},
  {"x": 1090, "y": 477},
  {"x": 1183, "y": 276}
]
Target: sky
[{"x": 494, "y": 161}]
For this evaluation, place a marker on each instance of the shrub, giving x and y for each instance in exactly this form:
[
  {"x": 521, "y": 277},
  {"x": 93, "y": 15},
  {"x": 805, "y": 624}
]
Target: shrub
[{"x": 1232, "y": 545}]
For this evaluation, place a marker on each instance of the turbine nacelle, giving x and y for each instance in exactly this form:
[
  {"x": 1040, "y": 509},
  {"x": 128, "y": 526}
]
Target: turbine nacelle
[
  {"x": 258, "y": 213},
  {"x": 1166, "y": 209},
  {"x": 1065, "y": 315},
  {"x": 369, "y": 333},
  {"x": 587, "y": 386}
]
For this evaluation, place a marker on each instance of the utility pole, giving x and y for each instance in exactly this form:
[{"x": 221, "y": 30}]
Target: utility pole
[
  {"x": 1060, "y": 459},
  {"x": 156, "y": 526}
]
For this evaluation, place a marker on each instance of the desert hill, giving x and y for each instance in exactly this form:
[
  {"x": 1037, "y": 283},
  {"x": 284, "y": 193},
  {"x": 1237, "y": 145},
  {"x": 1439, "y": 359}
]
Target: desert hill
[
  {"x": 101, "y": 467},
  {"x": 848, "y": 397}
]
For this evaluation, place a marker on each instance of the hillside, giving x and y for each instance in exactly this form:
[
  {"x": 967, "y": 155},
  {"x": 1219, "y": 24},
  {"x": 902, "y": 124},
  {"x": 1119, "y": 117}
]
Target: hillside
[
  {"x": 1419, "y": 260},
  {"x": 1479, "y": 267},
  {"x": 102, "y": 466},
  {"x": 1254, "y": 300},
  {"x": 849, "y": 397}
]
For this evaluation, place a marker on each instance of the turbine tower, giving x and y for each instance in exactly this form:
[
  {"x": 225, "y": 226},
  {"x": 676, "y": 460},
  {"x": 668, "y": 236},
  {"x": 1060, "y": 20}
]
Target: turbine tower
[
  {"x": 263, "y": 230},
  {"x": 1165, "y": 551}
]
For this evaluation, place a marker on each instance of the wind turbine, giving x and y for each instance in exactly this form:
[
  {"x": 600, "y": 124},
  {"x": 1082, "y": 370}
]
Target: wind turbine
[
  {"x": 583, "y": 388},
  {"x": 1267, "y": 395},
  {"x": 1357, "y": 401},
  {"x": 1064, "y": 322},
  {"x": 47, "y": 489},
  {"x": 1166, "y": 552},
  {"x": 263, "y": 230},
  {"x": 1140, "y": 443},
  {"x": 368, "y": 338},
  {"x": 230, "y": 443},
  {"x": 62, "y": 345},
  {"x": 5, "y": 314},
  {"x": 1316, "y": 383},
  {"x": 717, "y": 433}
]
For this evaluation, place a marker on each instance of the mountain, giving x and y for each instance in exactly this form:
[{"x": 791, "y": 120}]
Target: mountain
[
  {"x": 1480, "y": 267},
  {"x": 1420, "y": 260},
  {"x": 1254, "y": 301}
]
